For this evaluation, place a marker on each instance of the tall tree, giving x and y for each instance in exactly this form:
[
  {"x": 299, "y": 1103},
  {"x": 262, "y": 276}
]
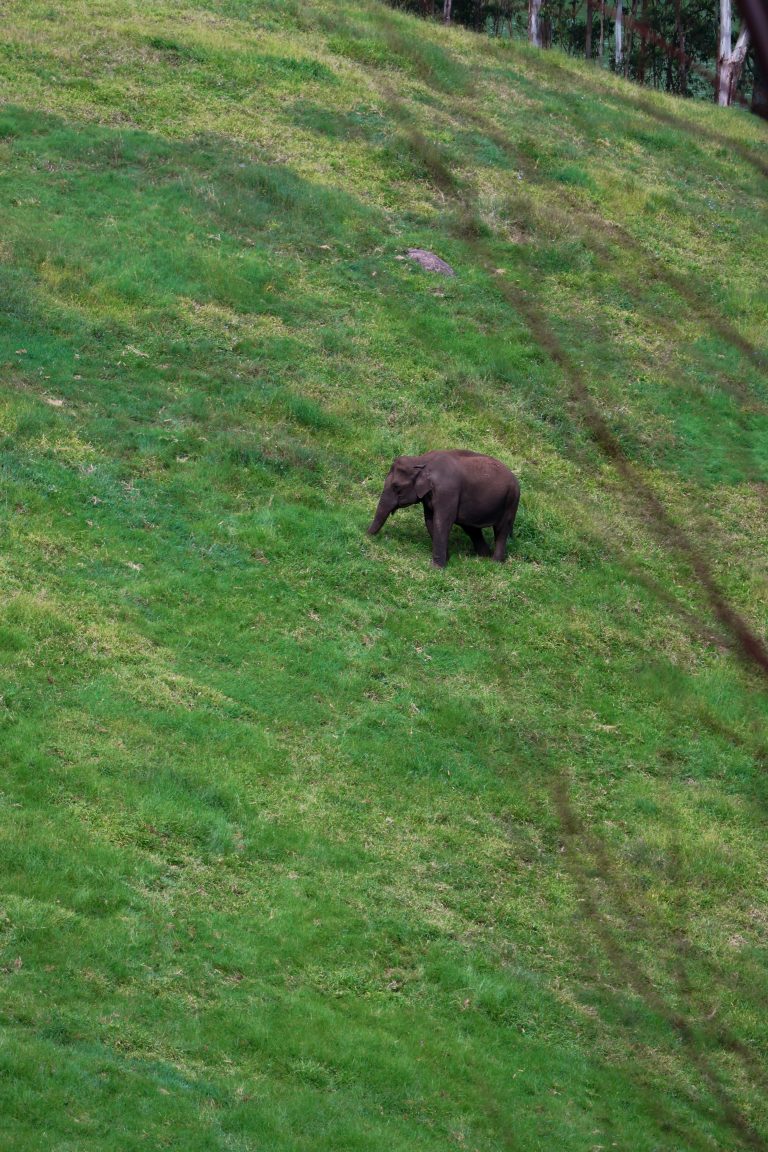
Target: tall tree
[
  {"x": 759, "y": 91},
  {"x": 642, "y": 54},
  {"x": 755, "y": 16},
  {"x": 730, "y": 60},
  {"x": 630, "y": 37},
  {"x": 681, "y": 57},
  {"x": 588, "y": 37},
  {"x": 534, "y": 26},
  {"x": 619, "y": 31},
  {"x": 601, "y": 50}
]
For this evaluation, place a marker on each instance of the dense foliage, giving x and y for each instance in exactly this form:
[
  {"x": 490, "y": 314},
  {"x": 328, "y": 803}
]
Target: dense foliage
[{"x": 672, "y": 45}]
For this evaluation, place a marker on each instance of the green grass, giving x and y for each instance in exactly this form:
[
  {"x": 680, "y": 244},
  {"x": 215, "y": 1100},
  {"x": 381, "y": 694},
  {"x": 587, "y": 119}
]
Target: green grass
[{"x": 305, "y": 845}]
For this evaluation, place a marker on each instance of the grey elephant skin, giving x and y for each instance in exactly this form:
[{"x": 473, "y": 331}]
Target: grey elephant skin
[{"x": 456, "y": 487}]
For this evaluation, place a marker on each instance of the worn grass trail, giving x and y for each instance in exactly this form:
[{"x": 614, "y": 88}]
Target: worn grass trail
[{"x": 303, "y": 844}]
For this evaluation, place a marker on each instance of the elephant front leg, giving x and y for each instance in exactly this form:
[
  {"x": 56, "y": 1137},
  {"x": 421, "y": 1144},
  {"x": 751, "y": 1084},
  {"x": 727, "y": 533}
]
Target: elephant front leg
[{"x": 441, "y": 530}]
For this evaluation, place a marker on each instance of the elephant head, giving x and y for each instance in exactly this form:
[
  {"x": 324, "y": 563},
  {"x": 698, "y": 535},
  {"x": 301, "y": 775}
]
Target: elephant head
[{"x": 407, "y": 482}]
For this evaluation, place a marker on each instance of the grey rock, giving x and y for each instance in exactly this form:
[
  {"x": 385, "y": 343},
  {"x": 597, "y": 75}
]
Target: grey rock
[{"x": 431, "y": 262}]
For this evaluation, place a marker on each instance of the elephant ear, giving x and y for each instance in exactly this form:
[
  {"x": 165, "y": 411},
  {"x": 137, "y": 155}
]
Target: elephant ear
[{"x": 422, "y": 481}]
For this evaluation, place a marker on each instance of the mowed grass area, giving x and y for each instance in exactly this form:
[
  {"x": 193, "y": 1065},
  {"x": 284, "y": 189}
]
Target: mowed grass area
[{"x": 304, "y": 844}]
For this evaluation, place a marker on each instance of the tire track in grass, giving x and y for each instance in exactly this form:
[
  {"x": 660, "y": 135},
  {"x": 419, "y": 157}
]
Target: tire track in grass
[
  {"x": 642, "y": 102},
  {"x": 586, "y": 855},
  {"x": 589, "y": 224},
  {"x": 749, "y": 646}
]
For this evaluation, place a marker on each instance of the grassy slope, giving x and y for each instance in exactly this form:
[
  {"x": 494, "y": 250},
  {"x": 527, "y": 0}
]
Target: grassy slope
[{"x": 304, "y": 844}]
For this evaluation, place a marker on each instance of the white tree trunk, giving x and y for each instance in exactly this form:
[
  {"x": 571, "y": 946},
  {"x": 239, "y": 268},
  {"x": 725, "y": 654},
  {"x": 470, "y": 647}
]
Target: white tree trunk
[
  {"x": 534, "y": 28},
  {"x": 447, "y": 11},
  {"x": 730, "y": 61},
  {"x": 619, "y": 31},
  {"x": 724, "y": 49}
]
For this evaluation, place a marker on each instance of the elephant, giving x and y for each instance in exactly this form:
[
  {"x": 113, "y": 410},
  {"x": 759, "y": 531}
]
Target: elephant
[{"x": 455, "y": 487}]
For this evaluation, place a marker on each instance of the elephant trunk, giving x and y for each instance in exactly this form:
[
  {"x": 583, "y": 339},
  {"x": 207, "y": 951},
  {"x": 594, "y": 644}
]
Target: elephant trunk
[{"x": 386, "y": 507}]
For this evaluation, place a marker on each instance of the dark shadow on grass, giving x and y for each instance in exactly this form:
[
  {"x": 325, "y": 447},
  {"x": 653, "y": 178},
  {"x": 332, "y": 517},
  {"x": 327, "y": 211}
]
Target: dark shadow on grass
[
  {"x": 358, "y": 124},
  {"x": 242, "y": 192},
  {"x": 406, "y": 525},
  {"x": 193, "y": 224}
]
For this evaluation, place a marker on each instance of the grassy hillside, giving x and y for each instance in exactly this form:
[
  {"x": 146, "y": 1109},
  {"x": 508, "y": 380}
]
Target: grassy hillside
[{"x": 304, "y": 844}]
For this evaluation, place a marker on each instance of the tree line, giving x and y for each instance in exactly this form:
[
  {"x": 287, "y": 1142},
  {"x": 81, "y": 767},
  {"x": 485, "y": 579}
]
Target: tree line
[{"x": 693, "y": 48}]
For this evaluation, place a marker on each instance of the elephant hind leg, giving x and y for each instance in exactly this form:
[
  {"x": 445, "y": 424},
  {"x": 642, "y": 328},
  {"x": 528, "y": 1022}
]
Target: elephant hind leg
[
  {"x": 478, "y": 540},
  {"x": 503, "y": 530},
  {"x": 499, "y": 543}
]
